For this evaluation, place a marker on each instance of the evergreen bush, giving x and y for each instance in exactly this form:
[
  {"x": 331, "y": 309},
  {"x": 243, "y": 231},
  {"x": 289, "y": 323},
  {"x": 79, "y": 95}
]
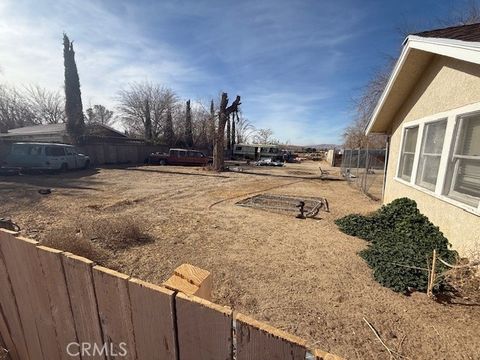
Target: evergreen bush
[{"x": 402, "y": 241}]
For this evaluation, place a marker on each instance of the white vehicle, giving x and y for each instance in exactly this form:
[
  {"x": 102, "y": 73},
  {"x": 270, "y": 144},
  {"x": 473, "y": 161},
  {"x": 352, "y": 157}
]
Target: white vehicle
[{"x": 46, "y": 156}]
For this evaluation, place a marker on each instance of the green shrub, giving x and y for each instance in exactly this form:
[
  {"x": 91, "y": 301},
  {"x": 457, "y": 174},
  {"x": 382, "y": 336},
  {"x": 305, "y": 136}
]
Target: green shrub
[{"x": 402, "y": 240}]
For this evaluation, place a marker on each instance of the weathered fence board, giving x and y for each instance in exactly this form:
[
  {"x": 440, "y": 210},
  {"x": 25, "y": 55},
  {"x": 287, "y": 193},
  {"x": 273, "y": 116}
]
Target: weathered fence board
[
  {"x": 52, "y": 268},
  {"x": 8, "y": 305},
  {"x": 50, "y": 299},
  {"x": 204, "y": 329},
  {"x": 256, "y": 340},
  {"x": 111, "y": 289},
  {"x": 6, "y": 341},
  {"x": 153, "y": 320},
  {"x": 31, "y": 295},
  {"x": 78, "y": 274}
]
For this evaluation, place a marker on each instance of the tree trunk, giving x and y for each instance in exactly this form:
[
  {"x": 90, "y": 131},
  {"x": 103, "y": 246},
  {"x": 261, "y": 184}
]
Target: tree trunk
[{"x": 224, "y": 113}]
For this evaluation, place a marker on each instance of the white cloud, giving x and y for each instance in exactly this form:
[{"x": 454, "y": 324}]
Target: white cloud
[{"x": 109, "y": 51}]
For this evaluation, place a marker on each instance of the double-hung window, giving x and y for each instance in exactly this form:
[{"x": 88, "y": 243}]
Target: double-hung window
[
  {"x": 464, "y": 163},
  {"x": 408, "y": 153},
  {"x": 440, "y": 155},
  {"x": 430, "y": 154}
]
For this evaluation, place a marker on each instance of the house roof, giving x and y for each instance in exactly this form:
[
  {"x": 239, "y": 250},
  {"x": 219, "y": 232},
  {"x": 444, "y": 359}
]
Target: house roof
[
  {"x": 417, "y": 52},
  {"x": 37, "y": 130},
  {"x": 54, "y": 129},
  {"x": 463, "y": 32}
]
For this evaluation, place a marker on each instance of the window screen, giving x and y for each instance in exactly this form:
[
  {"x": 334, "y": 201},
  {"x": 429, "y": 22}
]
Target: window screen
[
  {"x": 464, "y": 164},
  {"x": 430, "y": 154},
  {"x": 408, "y": 153}
]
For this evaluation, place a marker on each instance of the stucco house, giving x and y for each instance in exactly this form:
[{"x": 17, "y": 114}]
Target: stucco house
[{"x": 430, "y": 109}]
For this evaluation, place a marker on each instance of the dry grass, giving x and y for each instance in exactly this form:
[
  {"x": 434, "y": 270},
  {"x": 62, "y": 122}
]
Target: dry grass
[
  {"x": 302, "y": 276},
  {"x": 97, "y": 238}
]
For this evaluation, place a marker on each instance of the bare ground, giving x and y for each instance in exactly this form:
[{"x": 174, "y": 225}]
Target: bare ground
[{"x": 303, "y": 276}]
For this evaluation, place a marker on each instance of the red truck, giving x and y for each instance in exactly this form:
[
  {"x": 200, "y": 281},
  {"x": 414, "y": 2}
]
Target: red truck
[{"x": 179, "y": 157}]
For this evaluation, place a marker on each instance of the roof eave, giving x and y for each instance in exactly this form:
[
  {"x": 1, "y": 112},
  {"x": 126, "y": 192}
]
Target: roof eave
[{"x": 458, "y": 49}]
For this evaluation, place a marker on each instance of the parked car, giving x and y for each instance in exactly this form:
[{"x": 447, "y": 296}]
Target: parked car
[
  {"x": 269, "y": 162},
  {"x": 179, "y": 157},
  {"x": 46, "y": 156}
]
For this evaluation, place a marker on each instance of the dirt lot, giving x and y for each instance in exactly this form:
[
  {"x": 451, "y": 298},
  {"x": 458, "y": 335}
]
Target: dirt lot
[{"x": 303, "y": 276}]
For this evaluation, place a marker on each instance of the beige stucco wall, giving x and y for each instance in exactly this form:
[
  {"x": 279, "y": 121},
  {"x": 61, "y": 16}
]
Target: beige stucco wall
[{"x": 446, "y": 84}]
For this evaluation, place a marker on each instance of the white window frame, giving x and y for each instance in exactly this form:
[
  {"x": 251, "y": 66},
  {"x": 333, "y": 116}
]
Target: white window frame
[{"x": 453, "y": 117}]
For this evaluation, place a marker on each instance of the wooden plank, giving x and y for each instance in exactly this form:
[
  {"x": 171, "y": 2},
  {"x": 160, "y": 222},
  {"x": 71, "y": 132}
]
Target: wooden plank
[
  {"x": 322, "y": 355},
  {"x": 8, "y": 305},
  {"x": 7, "y": 346},
  {"x": 176, "y": 283},
  {"x": 114, "y": 308},
  {"x": 198, "y": 277},
  {"x": 256, "y": 340},
  {"x": 204, "y": 329},
  {"x": 28, "y": 284},
  {"x": 78, "y": 275},
  {"x": 52, "y": 267},
  {"x": 153, "y": 320}
]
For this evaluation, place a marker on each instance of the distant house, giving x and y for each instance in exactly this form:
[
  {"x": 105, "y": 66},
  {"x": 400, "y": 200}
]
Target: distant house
[
  {"x": 58, "y": 133},
  {"x": 431, "y": 111}
]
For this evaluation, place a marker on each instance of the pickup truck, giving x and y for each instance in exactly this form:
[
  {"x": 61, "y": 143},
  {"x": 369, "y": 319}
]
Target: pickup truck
[{"x": 179, "y": 157}]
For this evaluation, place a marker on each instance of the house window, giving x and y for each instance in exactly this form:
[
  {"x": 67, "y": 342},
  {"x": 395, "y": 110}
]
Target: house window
[
  {"x": 464, "y": 163},
  {"x": 408, "y": 153},
  {"x": 430, "y": 154}
]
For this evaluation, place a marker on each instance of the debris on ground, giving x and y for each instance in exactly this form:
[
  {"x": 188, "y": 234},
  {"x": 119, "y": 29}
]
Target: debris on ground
[
  {"x": 310, "y": 206},
  {"x": 6, "y": 223}
]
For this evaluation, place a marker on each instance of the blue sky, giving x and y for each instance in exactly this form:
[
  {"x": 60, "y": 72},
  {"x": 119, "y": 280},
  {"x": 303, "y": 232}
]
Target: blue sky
[{"x": 296, "y": 63}]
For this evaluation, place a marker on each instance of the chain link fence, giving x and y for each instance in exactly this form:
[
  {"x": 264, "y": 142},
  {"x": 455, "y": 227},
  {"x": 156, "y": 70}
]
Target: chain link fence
[{"x": 365, "y": 169}]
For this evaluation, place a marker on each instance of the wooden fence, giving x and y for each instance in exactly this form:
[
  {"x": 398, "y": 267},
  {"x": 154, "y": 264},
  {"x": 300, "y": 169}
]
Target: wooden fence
[{"x": 56, "y": 305}]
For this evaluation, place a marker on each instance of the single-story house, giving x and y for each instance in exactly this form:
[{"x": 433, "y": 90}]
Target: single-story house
[
  {"x": 58, "y": 133},
  {"x": 430, "y": 109}
]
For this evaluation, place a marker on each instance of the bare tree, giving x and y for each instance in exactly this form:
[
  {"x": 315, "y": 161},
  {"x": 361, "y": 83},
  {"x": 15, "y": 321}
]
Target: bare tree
[
  {"x": 48, "y": 106},
  {"x": 99, "y": 114},
  {"x": 14, "y": 110},
  {"x": 223, "y": 115},
  {"x": 264, "y": 136},
  {"x": 244, "y": 130},
  {"x": 143, "y": 108}
]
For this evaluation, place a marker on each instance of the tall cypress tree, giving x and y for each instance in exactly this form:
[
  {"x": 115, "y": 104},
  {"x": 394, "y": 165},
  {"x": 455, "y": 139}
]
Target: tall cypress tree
[
  {"x": 188, "y": 126},
  {"x": 168, "y": 133},
  {"x": 212, "y": 125},
  {"x": 73, "y": 96}
]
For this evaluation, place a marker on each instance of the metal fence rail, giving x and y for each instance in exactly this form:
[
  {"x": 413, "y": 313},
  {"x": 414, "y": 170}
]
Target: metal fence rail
[{"x": 365, "y": 168}]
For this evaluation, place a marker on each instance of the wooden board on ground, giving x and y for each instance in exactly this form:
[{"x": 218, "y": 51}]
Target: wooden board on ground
[
  {"x": 28, "y": 284},
  {"x": 52, "y": 267},
  {"x": 256, "y": 340},
  {"x": 153, "y": 320},
  {"x": 78, "y": 274},
  {"x": 204, "y": 329},
  {"x": 322, "y": 355},
  {"x": 8, "y": 305},
  {"x": 114, "y": 308}
]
